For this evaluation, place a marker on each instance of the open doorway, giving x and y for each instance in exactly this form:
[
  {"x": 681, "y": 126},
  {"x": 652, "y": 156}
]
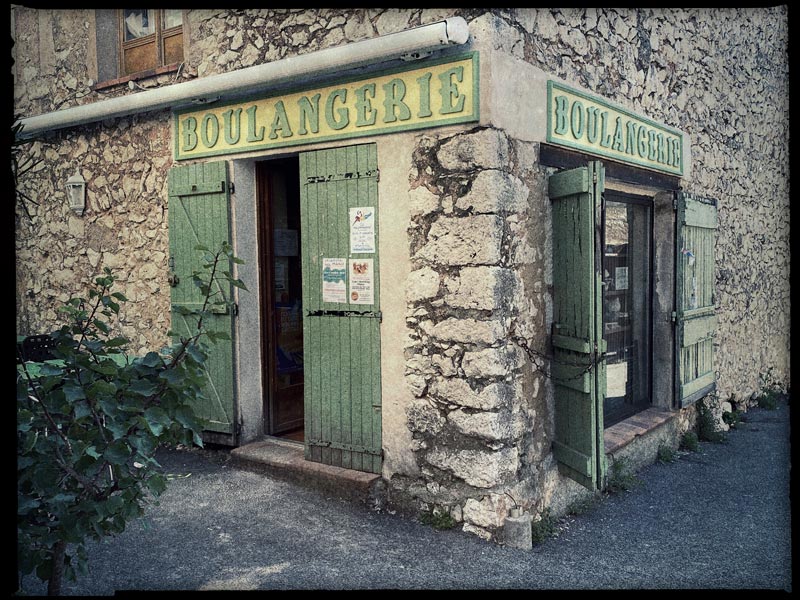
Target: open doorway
[
  {"x": 627, "y": 281},
  {"x": 280, "y": 296}
]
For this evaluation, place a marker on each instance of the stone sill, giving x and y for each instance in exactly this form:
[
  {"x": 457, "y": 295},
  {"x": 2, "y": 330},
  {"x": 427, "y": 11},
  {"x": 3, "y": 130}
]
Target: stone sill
[
  {"x": 103, "y": 85},
  {"x": 623, "y": 433}
]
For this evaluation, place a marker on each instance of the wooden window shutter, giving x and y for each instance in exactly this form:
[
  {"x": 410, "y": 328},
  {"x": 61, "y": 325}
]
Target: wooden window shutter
[
  {"x": 341, "y": 333},
  {"x": 199, "y": 214},
  {"x": 695, "y": 320},
  {"x": 578, "y": 377}
]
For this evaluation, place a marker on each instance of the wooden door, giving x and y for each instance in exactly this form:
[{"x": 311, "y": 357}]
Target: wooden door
[
  {"x": 578, "y": 369},
  {"x": 199, "y": 214},
  {"x": 341, "y": 301},
  {"x": 695, "y": 320}
]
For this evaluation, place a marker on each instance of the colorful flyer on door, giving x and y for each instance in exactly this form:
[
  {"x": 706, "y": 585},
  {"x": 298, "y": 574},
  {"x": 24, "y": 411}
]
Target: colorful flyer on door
[
  {"x": 362, "y": 281},
  {"x": 334, "y": 280},
  {"x": 362, "y": 230}
]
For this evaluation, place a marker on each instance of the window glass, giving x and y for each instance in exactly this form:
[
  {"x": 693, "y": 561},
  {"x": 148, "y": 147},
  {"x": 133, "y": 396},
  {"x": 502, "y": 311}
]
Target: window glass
[
  {"x": 626, "y": 309},
  {"x": 139, "y": 22},
  {"x": 173, "y": 17}
]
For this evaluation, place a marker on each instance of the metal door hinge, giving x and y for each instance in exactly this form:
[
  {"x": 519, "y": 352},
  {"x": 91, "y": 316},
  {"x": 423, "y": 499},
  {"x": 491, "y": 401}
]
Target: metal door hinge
[
  {"x": 231, "y": 187},
  {"x": 235, "y": 309},
  {"x": 674, "y": 316}
]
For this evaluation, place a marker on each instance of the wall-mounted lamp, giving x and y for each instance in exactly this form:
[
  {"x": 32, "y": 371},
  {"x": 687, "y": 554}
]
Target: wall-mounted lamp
[{"x": 76, "y": 193}]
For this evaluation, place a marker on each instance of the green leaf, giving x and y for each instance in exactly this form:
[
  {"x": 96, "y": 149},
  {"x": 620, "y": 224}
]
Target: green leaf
[
  {"x": 156, "y": 419},
  {"x": 117, "y": 453},
  {"x": 101, "y": 388},
  {"x": 118, "y": 429},
  {"x": 152, "y": 359},
  {"x": 30, "y": 441},
  {"x": 82, "y": 410},
  {"x": 109, "y": 368},
  {"x": 92, "y": 451},
  {"x": 143, "y": 387},
  {"x": 73, "y": 392},
  {"x": 25, "y": 504},
  {"x": 48, "y": 369},
  {"x": 156, "y": 484},
  {"x": 114, "y": 504},
  {"x": 119, "y": 296}
]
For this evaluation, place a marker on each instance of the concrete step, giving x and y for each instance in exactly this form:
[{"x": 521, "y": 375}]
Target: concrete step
[{"x": 285, "y": 460}]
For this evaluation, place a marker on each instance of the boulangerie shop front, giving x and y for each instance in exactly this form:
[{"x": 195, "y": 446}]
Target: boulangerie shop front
[{"x": 477, "y": 271}]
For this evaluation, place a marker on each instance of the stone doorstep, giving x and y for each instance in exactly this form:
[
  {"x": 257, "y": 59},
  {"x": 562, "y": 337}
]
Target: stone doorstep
[
  {"x": 624, "y": 432},
  {"x": 285, "y": 460}
]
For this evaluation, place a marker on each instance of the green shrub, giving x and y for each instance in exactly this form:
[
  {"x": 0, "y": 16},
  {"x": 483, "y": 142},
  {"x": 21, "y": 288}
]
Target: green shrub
[
  {"x": 622, "y": 478},
  {"x": 706, "y": 424},
  {"x": 768, "y": 400},
  {"x": 771, "y": 392},
  {"x": 581, "y": 506},
  {"x": 544, "y": 527},
  {"x": 88, "y": 427},
  {"x": 666, "y": 454},
  {"x": 689, "y": 442},
  {"x": 732, "y": 418},
  {"x": 438, "y": 519}
]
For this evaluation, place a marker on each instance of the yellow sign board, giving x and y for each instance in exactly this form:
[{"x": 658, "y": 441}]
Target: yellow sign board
[
  {"x": 439, "y": 93},
  {"x": 590, "y": 124}
]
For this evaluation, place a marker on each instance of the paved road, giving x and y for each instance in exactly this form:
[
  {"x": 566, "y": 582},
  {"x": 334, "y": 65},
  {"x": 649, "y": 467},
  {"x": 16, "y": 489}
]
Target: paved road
[{"x": 718, "y": 518}]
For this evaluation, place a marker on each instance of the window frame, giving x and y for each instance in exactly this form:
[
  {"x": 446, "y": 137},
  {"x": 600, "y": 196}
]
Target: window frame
[{"x": 158, "y": 37}]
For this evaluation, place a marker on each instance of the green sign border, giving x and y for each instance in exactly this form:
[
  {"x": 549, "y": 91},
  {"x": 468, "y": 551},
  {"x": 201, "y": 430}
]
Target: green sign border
[
  {"x": 551, "y": 85},
  {"x": 474, "y": 116}
]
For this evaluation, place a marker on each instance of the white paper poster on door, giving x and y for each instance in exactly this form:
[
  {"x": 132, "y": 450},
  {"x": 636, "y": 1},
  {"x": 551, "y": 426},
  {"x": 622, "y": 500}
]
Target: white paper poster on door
[
  {"x": 362, "y": 230},
  {"x": 334, "y": 280},
  {"x": 362, "y": 281}
]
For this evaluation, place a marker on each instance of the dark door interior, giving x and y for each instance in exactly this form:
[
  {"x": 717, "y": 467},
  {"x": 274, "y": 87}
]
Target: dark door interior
[
  {"x": 281, "y": 296},
  {"x": 627, "y": 227}
]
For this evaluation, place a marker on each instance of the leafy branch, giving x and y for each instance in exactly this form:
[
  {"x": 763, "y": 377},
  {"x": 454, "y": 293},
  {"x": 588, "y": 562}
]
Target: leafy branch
[{"x": 90, "y": 421}]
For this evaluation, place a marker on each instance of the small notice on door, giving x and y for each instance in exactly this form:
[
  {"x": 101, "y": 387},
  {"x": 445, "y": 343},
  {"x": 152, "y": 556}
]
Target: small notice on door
[
  {"x": 334, "y": 280},
  {"x": 362, "y": 281},
  {"x": 362, "y": 230}
]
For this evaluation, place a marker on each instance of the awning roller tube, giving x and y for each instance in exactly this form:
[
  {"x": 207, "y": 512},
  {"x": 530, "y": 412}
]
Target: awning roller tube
[{"x": 451, "y": 31}]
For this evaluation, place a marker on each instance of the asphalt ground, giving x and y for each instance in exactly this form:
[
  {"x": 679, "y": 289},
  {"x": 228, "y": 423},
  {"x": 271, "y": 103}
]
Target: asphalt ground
[{"x": 719, "y": 518}]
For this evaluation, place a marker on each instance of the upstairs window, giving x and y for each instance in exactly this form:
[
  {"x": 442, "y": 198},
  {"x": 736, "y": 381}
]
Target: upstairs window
[{"x": 149, "y": 38}]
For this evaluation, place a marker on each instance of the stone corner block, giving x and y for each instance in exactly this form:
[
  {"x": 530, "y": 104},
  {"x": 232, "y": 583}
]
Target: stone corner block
[
  {"x": 478, "y": 468},
  {"x": 495, "y": 191},
  {"x": 422, "y": 284},
  {"x": 487, "y": 149}
]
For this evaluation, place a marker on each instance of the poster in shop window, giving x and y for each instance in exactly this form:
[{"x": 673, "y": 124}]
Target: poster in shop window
[
  {"x": 361, "y": 281},
  {"x": 334, "y": 280},
  {"x": 362, "y": 230}
]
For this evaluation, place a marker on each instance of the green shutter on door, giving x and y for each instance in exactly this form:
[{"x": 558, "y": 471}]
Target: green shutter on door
[
  {"x": 694, "y": 293},
  {"x": 199, "y": 215},
  {"x": 341, "y": 339},
  {"x": 578, "y": 379}
]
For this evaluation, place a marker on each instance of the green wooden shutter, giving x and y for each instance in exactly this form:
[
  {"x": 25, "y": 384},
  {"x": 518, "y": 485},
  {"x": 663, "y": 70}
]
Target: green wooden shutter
[
  {"x": 694, "y": 292},
  {"x": 579, "y": 379},
  {"x": 341, "y": 338},
  {"x": 199, "y": 215}
]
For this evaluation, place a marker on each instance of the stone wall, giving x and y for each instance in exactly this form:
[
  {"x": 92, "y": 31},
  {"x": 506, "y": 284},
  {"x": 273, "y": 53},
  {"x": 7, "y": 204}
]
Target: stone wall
[
  {"x": 476, "y": 299},
  {"x": 722, "y": 75}
]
